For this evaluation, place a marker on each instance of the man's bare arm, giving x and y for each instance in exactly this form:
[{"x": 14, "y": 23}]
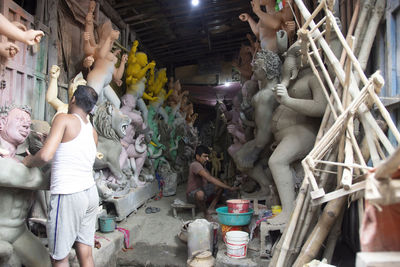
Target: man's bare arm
[
  {"x": 50, "y": 146},
  {"x": 215, "y": 181}
]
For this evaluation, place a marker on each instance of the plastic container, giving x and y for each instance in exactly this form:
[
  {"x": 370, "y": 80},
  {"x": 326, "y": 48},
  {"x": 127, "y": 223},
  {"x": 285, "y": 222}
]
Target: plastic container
[
  {"x": 236, "y": 244},
  {"x": 201, "y": 259},
  {"x": 238, "y": 205},
  {"x": 107, "y": 224},
  {"x": 233, "y": 219},
  {"x": 200, "y": 237}
]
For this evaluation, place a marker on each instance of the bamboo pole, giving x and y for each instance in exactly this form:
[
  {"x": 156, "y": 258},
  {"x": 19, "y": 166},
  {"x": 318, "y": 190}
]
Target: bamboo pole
[
  {"x": 314, "y": 242},
  {"x": 369, "y": 39},
  {"x": 361, "y": 22},
  {"x": 333, "y": 237}
]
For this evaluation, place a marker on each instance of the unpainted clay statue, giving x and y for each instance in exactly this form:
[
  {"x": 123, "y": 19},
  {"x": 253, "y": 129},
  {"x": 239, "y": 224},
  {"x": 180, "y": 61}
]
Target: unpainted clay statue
[
  {"x": 111, "y": 126},
  {"x": 17, "y": 188},
  {"x": 234, "y": 125},
  {"x": 134, "y": 148},
  {"x": 266, "y": 70},
  {"x": 270, "y": 23},
  {"x": 295, "y": 124},
  {"x": 18, "y": 32},
  {"x": 216, "y": 162},
  {"x": 104, "y": 69}
]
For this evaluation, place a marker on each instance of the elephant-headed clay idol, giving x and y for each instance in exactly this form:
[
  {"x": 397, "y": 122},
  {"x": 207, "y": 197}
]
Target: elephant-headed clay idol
[
  {"x": 295, "y": 124},
  {"x": 134, "y": 148},
  {"x": 17, "y": 189},
  {"x": 270, "y": 23},
  {"x": 266, "y": 70}
]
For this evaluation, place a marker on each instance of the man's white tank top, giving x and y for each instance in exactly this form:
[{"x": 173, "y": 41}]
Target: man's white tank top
[{"x": 72, "y": 167}]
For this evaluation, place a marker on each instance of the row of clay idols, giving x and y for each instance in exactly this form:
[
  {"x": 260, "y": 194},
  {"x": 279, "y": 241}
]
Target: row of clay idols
[{"x": 16, "y": 31}]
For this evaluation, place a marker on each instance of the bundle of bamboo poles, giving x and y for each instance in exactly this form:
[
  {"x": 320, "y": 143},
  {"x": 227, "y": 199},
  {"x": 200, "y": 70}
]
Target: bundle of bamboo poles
[{"x": 338, "y": 146}]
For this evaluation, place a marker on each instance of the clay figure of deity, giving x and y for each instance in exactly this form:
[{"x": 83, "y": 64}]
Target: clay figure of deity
[
  {"x": 104, "y": 69},
  {"x": 17, "y": 188},
  {"x": 266, "y": 70},
  {"x": 134, "y": 148},
  {"x": 270, "y": 23},
  {"x": 295, "y": 124}
]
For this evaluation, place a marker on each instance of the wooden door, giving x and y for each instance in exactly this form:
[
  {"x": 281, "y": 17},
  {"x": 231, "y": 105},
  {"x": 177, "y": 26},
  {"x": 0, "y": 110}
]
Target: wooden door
[{"x": 25, "y": 74}]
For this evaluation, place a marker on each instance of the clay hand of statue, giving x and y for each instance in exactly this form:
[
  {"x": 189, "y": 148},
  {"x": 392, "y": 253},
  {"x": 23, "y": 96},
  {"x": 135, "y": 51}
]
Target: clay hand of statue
[
  {"x": 19, "y": 25},
  {"x": 114, "y": 35},
  {"x": 231, "y": 129},
  {"x": 92, "y": 6},
  {"x": 118, "y": 82},
  {"x": 290, "y": 26},
  {"x": 281, "y": 93},
  {"x": 152, "y": 64},
  {"x": 88, "y": 61},
  {"x": 8, "y": 49},
  {"x": 33, "y": 37},
  {"x": 55, "y": 72},
  {"x": 255, "y": 5},
  {"x": 244, "y": 17},
  {"x": 124, "y": 58}
]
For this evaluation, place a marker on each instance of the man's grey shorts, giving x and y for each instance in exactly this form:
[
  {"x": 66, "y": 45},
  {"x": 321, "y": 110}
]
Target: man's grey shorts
[
  {"x": 208, "y": 190},
  {"x": 71, "y": 217}
]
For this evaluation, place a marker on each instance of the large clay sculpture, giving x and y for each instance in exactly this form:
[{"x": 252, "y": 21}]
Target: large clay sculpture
[
  {"x": 269, "y": 23},
  {"x": 104, "y": 69},
  {"x": 111, "y": 126},
  {"x": 266, "y": 69},
  {"x": 134, "y": 151},
  {"x": 294, "y": 124},
  {"x": 17, "y": 188}
]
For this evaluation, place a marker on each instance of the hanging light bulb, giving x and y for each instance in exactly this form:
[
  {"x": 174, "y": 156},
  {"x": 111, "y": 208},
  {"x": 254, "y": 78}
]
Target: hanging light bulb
[{"x": 195, "y": 2}]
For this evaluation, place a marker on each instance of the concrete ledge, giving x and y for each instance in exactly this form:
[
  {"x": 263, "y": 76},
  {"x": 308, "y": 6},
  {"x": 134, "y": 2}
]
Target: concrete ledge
[
  {"x": 378, "y": 259},
  {"x": 106, "y": 256}
]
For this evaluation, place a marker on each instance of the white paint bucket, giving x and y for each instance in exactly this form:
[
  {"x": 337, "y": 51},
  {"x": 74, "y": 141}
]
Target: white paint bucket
[{"x": 236, "y": 244}]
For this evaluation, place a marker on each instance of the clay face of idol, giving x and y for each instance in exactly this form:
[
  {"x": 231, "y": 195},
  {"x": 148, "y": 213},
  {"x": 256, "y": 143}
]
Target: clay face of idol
[{"x": 15, "y": 128}]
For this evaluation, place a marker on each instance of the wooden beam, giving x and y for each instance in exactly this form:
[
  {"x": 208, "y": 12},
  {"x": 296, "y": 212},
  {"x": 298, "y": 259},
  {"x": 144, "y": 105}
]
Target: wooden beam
[{"x": 110, "y": 12}]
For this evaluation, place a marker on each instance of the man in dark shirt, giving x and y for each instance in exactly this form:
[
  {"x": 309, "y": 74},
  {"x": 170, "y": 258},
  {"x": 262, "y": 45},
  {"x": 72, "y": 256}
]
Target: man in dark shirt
[{"x": 200, "y": 182}]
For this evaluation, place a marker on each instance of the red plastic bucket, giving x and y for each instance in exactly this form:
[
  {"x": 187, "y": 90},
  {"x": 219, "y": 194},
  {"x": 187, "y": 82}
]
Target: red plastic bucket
[{"x": 238, "y": 205}]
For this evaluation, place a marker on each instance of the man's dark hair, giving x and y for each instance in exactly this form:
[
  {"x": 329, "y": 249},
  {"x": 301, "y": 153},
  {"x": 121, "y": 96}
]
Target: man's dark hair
[
  {"x": 85, "y": 97},
  {"x": 202, "y": 149}
]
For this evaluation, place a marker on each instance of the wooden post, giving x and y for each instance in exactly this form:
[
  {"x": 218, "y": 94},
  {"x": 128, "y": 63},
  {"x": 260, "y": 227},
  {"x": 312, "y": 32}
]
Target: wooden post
[{"x": 52, "y": 58}]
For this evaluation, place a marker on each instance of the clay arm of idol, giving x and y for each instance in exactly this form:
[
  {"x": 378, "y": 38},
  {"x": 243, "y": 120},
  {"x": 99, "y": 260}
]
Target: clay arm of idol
[
  {"x": 51, "y": 94},
  {"x": 53, "y": 140},
  {"x": 30, "y": 37},
  {"x": 270, "y": 21},
  {"x": 16, "y": 175},
  {"x": 118, "y": 72},
  {"x": 252, "y": 23},
  {"x": 215, "y": 181},
  {"x": 89, "y": 23},
  {"x": 148, "y": 97},
  {"x": 310, "y": 107}
]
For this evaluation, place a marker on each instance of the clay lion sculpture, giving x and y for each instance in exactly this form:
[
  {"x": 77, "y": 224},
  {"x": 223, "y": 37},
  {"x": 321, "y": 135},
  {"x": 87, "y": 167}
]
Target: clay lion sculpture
[{"x": 111, "y": 126}]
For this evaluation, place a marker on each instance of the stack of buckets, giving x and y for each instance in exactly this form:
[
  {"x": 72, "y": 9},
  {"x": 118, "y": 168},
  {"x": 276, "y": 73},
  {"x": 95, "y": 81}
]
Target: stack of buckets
[{"x": 236, "y": 241}]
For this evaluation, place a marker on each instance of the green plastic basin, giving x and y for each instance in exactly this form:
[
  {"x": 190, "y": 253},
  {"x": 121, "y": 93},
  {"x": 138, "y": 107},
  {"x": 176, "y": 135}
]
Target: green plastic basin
[{"x": 233, "y": 219}]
